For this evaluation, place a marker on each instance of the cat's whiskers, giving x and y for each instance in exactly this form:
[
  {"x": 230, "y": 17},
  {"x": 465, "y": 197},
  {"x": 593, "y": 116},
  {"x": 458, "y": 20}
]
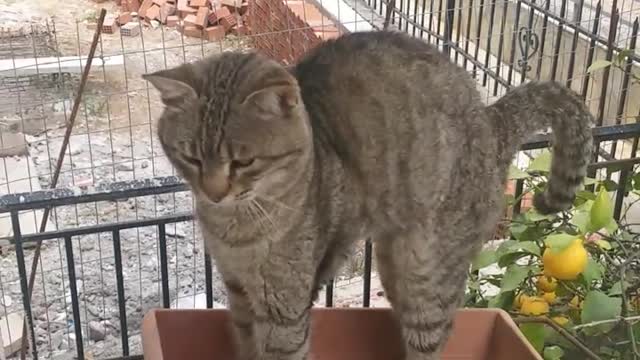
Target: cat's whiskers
[
  {"x": 277, "y": 203},
  {"x": 265, "y": 214}
]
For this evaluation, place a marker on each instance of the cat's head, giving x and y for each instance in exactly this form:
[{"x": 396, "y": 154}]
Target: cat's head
[{"x": 234, "y": 126}]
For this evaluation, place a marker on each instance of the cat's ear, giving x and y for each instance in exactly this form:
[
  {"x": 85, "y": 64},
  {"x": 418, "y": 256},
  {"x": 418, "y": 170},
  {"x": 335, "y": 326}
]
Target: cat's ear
[
  {"x": 280, "y": 99},
  {"x": 171, "y": 85}
]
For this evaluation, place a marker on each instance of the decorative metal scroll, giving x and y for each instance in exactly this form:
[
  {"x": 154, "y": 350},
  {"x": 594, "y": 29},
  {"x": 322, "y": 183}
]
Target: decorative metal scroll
[{"x": 528, "y": 42}]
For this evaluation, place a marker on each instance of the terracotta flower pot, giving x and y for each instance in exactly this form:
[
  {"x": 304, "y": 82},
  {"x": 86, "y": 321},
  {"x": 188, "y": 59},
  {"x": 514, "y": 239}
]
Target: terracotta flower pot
[{"x": 337, "y": 334}]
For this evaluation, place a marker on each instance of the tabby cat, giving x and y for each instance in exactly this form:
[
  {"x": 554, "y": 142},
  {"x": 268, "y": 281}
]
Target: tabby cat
[{"x": 373, "y": 135}]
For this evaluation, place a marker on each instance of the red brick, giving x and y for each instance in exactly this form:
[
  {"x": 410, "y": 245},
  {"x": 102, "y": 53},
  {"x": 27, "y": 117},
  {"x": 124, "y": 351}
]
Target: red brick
[
  {"x": 190, "y": 20},
  {"x": 197, "y": 3},
  {"x": 231, "y": 3},
  {"x": 153, "y": 13},
  {"x": 172, "y": 20},
  {"x": 201, "y": 16},
  {"x": 159, "y": 2},
  {"x": 166, "y": 10},
  {"x": 228, "y": 21},
  {"x": 132, "y": 5},
  {"x": 146, "y": 5},
  {"x": 124, "y": 18},
  {"x": 109, "y": 26},
  {"x": 183, "y": 7},
  {"x": 244, "y": 7},
  {"x": 192, "y": 31},
  {"x": 222, "y": 12},
  {"x": 239, "y": 30},
  {"x": 215, "y": 33}
]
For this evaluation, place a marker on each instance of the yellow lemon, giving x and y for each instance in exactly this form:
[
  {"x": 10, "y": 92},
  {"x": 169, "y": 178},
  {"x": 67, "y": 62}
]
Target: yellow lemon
[
  {"x": 560, "y": 320},
  {"x": 547, "y": 284},
  {"x": 575, "y": 302},
  {"x": 550, "y": 297},
  {"x": 566, "y": 264},
  {"x": 519, "y": 299},
  {"x": 534, "y": 305}
]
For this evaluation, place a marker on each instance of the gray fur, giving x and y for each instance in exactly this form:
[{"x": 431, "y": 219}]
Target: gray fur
[{"x": 373, "y": 135}]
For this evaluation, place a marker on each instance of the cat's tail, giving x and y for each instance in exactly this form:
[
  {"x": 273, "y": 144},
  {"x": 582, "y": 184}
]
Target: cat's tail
[{"x": 536, "y": 106}]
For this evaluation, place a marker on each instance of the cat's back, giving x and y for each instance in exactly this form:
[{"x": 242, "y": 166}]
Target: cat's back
[{"x": 396, "y": 111}]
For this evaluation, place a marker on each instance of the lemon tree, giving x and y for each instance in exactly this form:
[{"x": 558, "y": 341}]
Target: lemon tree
[{"x": 567, "y": 267}]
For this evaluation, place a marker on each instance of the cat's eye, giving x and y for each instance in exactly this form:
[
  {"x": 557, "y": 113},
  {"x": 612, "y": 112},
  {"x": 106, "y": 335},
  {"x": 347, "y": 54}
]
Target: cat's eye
[{"x": 242, "y": 163}]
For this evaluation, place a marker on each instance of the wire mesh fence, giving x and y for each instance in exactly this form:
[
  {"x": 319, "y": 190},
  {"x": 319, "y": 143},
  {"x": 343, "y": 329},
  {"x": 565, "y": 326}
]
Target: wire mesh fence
[{"x": 157, "y": 258}]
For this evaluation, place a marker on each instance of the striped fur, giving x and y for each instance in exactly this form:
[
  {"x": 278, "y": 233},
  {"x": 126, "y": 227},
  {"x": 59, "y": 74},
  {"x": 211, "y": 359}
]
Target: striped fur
[{"x": 372, "y": 135}]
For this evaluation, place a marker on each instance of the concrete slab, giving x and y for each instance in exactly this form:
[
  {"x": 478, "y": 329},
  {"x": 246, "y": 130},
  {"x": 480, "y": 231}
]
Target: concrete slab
[
  {"x": 11, "y": 334},
  {"x": 13, "y": 144},
  {"x": 18, "y": 175}
]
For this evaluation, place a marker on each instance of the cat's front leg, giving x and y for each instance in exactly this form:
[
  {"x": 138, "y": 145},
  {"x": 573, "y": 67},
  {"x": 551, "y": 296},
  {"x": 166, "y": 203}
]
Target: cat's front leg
[
  {"x": 283, "y": 318},
  {"x": 242, "y": 320}
]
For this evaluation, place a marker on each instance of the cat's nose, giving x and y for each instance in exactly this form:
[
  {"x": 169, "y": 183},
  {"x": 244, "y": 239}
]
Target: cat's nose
[{"x": 216, "y": 186}]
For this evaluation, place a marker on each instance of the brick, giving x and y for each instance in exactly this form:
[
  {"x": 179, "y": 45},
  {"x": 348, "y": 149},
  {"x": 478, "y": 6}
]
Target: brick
[
  {"x": 124, "y": 18},
  {"x": 130, "y": 29},
  {"x": 159, "y": 2},
  {"x": 192, "y": 31},
  {"x": 244, "y": 8},
  {"x": 197, "y": 3},
  {"x": 215, "y": 33},
  {"x": 231, "y": 3},
  {"x": 201, "y": 16},
  {"x": 239, "y": 30},
  {"x": 109, "y": 26},
  {"x": 172, "y": 20},
  {"x": 226, "y": 18},
  {"x": 166, "y": 10},
  {"x": 190, "y": 20},
  {"x": 184, "y": 8},
  {"x": 132, "y": 5},
  {"x": 222, "y": 12},
  {"x": 146, "y": 5},
  {"x": 153, "y": 13}
]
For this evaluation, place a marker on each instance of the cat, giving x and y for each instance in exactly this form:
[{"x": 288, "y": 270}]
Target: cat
[{"x": 373, "y": 135}]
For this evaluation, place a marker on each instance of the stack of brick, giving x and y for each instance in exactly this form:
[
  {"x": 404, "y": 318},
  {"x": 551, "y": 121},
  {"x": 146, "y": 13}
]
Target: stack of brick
[
  {"x": 286, "y": 29},
  {"x": 210, "y": 19}
]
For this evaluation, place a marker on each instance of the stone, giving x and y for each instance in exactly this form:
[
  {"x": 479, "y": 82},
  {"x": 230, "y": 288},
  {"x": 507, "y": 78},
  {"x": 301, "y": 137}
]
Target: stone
[
  {"x": 97, "y": 331},
  {"x": 13, "y": 144}
]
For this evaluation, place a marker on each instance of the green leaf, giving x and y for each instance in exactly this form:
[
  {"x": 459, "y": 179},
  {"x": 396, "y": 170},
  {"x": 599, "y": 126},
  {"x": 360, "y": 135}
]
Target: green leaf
[
  {"x": 530, "y": 247},
  {"x": 589, "y": 181},
  {"x": 534, "y": 216},
  {"x": 581, "y": 219},
  {"x": 622, "y": 55},
  {"x": 484, "y": 259},
  {"x": 516, "y": 174},
  {"x": 616, "y": 289},
  {"x": 559, "y": 242},
  {"x": 503, "y": 300},
  {"x": 601, "y": 211},
  {"x": 599, "y": 306},
  {"x": 513, "y": 277},
  {"x": 598, "y": 65},
  {"x": 593, "y": 271},
  {"x": 535, "y": 334},
  {"x": 553, "y": 353},
  {"x": 542, "y": 163},
  {"x": 604, "y": 244},
  {"x": 511, "y": 258},
  {"x": 612, "y": 226}
]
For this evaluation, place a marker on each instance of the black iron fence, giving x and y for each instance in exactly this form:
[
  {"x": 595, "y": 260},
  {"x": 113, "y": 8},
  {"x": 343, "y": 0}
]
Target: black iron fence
[
  {"x": 502, "y": 43},
  {"x": 15, "y": 203}
]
